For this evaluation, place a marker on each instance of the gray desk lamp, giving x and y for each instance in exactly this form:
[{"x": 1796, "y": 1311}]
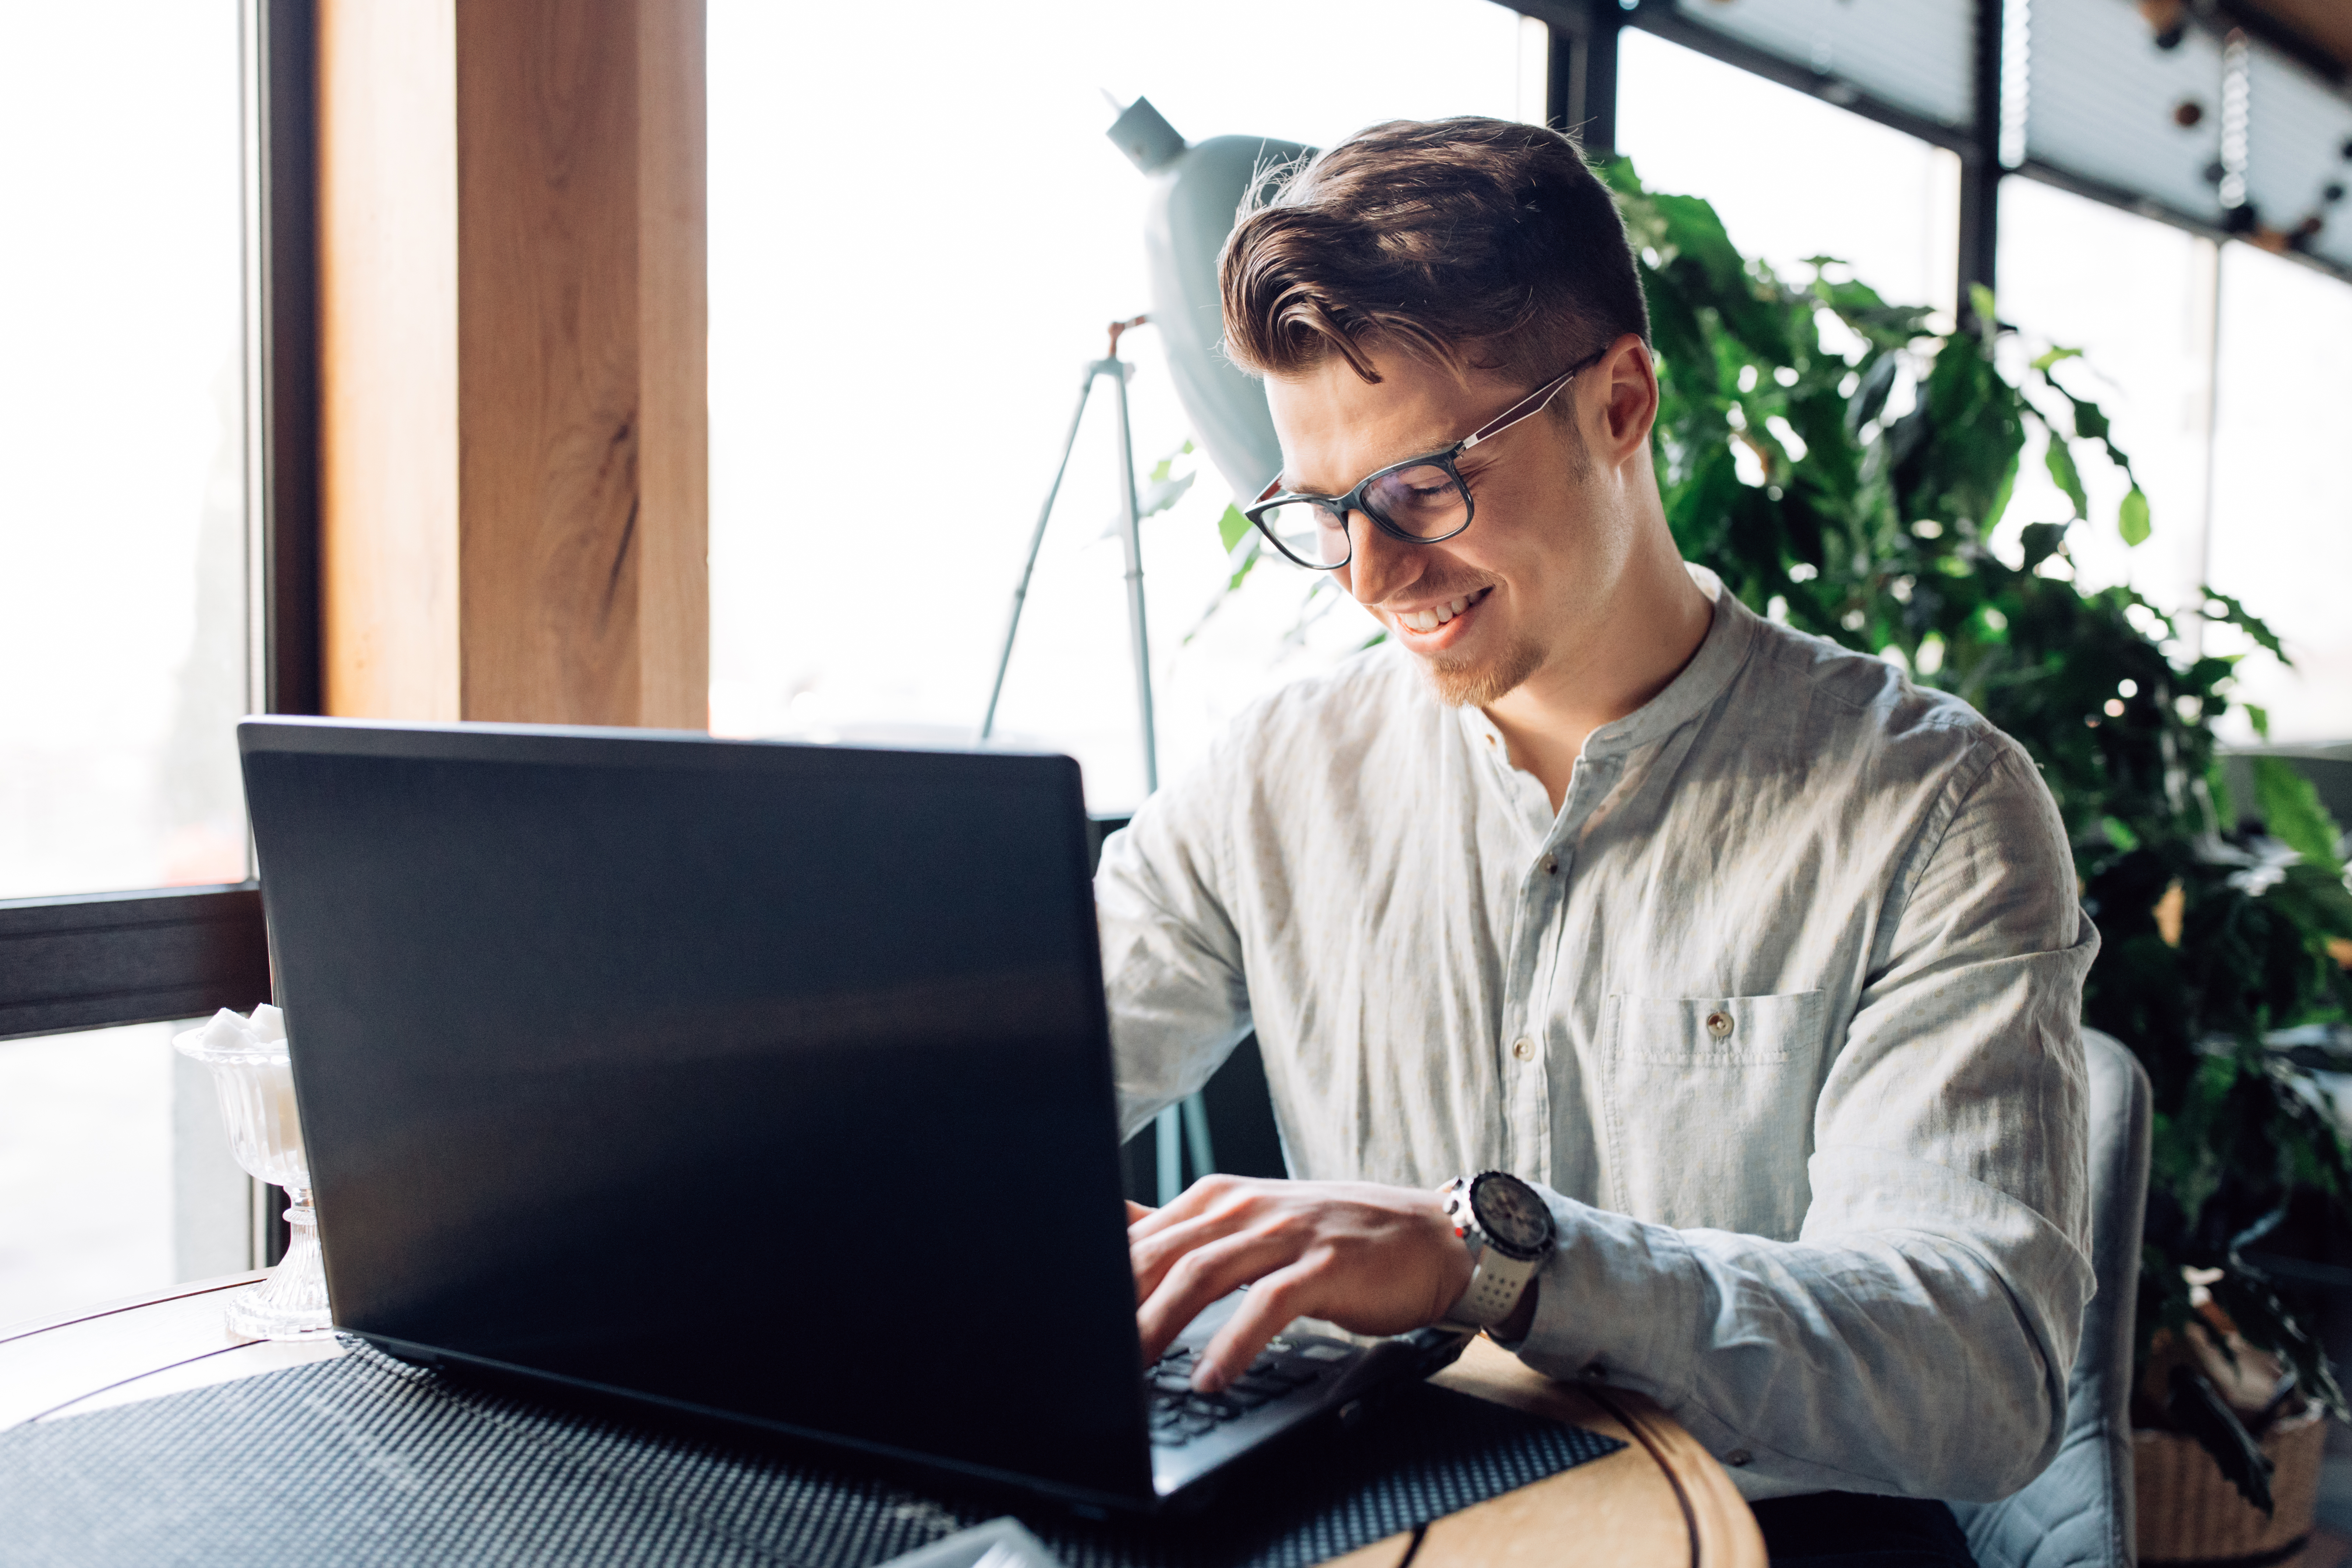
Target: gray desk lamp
[{"x": 1196, "y": 192}]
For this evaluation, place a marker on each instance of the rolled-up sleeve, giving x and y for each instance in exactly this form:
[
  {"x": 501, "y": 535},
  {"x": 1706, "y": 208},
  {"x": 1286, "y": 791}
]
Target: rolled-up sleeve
[
  {"x": 1172, "y": 957},
  {"x": 1916, "y": 1337}
]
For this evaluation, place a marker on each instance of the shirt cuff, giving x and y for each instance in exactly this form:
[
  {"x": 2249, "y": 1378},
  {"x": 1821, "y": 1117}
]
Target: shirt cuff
[{"x": 1618, "y": 1302}]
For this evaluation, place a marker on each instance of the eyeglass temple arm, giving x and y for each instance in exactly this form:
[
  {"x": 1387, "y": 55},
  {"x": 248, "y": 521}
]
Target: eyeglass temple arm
[{"x": 1520, "y": 410}]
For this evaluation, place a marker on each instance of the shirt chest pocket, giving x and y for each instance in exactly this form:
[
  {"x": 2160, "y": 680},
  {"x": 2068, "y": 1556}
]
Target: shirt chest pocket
[{"x": 1710, "y": 1118}]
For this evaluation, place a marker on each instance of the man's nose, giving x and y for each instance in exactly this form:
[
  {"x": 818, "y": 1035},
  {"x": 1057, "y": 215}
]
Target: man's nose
[{"x": 1379, "y": 566}]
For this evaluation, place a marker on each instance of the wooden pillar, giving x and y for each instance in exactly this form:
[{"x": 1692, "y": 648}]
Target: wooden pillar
[{"x": 514, "y": 443}]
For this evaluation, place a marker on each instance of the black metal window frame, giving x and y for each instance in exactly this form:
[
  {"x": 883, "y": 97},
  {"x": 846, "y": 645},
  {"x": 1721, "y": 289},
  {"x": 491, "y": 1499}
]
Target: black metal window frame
[
  {"x": 92, "y": 961},
  {"x": 1582, "y": 97}
]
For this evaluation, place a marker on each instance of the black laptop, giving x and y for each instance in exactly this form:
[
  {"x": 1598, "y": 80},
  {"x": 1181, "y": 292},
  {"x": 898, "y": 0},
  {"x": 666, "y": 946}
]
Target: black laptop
[{"x": 768, "y": 1083}]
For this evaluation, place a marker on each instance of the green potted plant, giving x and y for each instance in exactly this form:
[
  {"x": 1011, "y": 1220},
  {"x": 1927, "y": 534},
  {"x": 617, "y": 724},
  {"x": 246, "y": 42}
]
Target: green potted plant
[{"x": 1784, "y": 468}]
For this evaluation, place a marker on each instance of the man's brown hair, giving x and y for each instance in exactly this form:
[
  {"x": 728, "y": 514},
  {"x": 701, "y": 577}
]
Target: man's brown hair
[{"x": 1474, "y": 244}]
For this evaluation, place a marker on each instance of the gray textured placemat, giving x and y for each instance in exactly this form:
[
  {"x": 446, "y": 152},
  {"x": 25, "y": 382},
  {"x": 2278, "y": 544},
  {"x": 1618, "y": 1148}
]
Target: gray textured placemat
[{"x": 367, "y": 1460}]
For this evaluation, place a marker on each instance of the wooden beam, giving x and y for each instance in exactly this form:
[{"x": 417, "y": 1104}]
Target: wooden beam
[
  {"x": 515, "y": 443},
  {"x": 388, "y": 358},
  {"x": 673, "y": 367}
]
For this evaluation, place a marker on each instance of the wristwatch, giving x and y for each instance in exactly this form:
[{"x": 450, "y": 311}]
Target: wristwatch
[{"x": 1507, "y": 1227}]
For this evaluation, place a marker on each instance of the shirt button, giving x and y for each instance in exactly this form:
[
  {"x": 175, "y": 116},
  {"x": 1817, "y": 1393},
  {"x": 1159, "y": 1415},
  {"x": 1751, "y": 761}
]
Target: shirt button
[
  {"x": 1552, "y": 865},
  {"x": 1719, "y": 1024},
  {"x": 1524, "y": 1049},
  {"x": 1737, "y": 1458}
]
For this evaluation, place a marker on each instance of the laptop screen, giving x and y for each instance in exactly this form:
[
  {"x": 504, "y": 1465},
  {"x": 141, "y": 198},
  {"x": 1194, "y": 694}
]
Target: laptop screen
[{"x": 772, "y": 1080}]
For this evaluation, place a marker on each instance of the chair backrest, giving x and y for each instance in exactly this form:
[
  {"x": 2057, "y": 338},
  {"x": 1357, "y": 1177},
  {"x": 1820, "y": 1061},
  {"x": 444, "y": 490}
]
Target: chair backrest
[{"x": 2078, "y": 1512}]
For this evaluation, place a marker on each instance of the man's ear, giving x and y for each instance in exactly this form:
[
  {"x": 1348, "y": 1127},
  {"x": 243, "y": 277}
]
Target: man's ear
[{"x": 1628, "y": 399}]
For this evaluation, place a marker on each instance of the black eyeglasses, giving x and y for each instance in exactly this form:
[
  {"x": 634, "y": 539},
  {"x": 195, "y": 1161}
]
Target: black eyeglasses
[{"x": 1422, "y": 500}]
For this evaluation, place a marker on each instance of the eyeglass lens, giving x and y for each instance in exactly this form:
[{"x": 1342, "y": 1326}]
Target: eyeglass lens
[{"x": 1424, "y": 501}]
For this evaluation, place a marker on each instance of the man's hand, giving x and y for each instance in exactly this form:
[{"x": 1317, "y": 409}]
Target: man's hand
[{"x": 1372, "y": 1259}]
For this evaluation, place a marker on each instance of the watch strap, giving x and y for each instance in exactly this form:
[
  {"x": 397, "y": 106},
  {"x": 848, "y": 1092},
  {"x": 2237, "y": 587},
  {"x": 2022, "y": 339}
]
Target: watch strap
[
  {"x": 1496, "y": 1283},
  {"x": 1496, "y": 1279}
]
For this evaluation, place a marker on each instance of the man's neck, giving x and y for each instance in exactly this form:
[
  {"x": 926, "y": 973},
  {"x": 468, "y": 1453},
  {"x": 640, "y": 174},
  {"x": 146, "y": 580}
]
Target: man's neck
[{"x": 1654, "y": 626}]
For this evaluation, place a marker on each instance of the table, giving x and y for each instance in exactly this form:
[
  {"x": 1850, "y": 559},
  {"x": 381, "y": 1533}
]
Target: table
[{"x": 1660, "y": 1500}]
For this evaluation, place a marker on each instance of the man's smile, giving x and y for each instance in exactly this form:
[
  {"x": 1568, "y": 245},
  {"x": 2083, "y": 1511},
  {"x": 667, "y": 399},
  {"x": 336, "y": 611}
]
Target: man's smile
[{"x": 1429, "y": 627}]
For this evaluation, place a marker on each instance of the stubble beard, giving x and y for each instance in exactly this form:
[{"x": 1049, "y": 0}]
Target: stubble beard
[{"x": 1474, "y": 683}]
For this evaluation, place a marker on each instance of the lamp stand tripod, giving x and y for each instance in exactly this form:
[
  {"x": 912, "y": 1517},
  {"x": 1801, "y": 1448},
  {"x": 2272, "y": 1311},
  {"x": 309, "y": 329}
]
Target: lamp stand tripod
[{"x": 1185, "y": 1125}]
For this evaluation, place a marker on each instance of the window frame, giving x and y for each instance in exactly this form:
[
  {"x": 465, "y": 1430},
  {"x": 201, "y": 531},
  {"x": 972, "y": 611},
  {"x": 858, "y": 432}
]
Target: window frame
[
  {"x": 92, "y": 961},
  {"x": 1583, "y": 95}
]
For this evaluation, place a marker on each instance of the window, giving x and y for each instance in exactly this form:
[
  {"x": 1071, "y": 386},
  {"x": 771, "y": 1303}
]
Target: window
[
  {"x": 914, "y": 251},
  {"x": 124, "y": 612},
  {"x": 122, "y": 429},
  {"x": 2282, "y": 511},
  {"x": 84, "y": 1169},
  {"x": 1691, "y": 126},
  {"x": 2137, "y": 297}
]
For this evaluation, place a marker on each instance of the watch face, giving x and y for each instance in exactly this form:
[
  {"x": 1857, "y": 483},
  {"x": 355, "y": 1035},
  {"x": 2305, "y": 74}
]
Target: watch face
[{"x": 1509, "y": 1210}]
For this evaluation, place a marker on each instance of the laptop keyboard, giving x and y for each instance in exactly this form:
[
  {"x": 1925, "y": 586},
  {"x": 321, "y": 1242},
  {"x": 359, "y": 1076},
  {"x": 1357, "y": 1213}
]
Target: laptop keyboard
[{"x": 1179, "y": 1415}]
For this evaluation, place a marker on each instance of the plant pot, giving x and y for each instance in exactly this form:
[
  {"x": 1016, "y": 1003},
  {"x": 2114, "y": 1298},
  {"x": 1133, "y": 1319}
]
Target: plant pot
[{"x": 2187, "y": 1513}]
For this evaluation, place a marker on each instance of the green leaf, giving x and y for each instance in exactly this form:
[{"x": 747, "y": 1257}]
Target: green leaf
[
  {"x": 2042, "y": 362},
  {"x": 1163, "y": 493},
  {"x": 1980, "y": 301},
  {"x": 1230, "y": 528},
  {"x": 2041, "y": 541},
  {"x": 2259, "y": 717},
  {"x": 2061, "y": 463},
  {"x": 2245, "y": 1293},
  {"x": 2196, "y": 1409},
  {"x": 1870, "y": 396},
  {"x": 1246, "y": 559},
  {"x": 2236, "y": 615},
  {"x": 2131, "y": 520},
  {"x": 1999, "y": 502},
  {"x": 1240, "y": 572},
  {"x": 2090, "y": 420},
  {"x": 1161, "y": 469},
  {"x": 2314, "y": 897},
  {"x": 2216, "y": 790},
  {"x": 2293, "y": 814}
]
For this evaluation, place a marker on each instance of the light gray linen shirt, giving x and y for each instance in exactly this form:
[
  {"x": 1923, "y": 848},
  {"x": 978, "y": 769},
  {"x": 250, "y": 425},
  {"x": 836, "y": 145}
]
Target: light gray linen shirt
[{"x": 1844, "y": 1239}]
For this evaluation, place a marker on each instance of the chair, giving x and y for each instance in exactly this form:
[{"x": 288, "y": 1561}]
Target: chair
[{"x": 2078, "y": 1512}]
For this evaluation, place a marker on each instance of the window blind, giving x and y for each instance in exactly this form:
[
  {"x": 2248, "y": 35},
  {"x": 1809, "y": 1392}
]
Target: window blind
[
  {"x": 2105, "y": 103},
  {"x": 1911, "y": 54},
  {"x": 2298, "y": 133}
]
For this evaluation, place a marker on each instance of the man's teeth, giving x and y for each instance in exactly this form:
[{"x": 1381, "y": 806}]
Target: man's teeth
[{"x": 1430, "y": 620}]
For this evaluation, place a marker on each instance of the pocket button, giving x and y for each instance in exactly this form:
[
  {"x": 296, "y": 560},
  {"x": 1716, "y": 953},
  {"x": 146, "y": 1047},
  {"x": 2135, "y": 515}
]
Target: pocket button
[{"x": 1719, "y": 1024}]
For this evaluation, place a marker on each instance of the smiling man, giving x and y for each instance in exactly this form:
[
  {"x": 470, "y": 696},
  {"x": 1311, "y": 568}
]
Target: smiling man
[{"x": 1689, "y": 1002}]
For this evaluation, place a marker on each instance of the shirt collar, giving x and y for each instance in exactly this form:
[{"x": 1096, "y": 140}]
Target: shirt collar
[{"x": 1690, "y": 693}]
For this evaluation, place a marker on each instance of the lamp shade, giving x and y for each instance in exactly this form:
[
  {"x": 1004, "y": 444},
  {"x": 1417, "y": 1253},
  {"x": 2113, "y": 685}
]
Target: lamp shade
[{"x": 1197, "y": 190}]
